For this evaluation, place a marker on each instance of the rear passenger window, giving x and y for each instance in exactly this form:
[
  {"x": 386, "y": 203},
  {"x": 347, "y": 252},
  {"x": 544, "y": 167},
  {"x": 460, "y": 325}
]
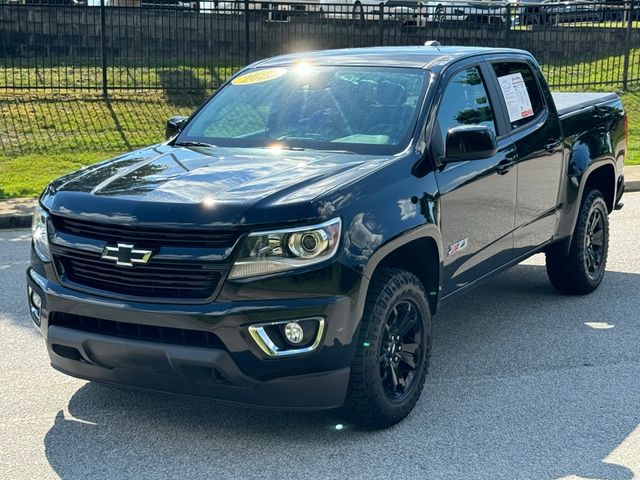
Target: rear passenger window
[
  {"x": 464, "y": 102},
  {"x": 520, "y": 91}
]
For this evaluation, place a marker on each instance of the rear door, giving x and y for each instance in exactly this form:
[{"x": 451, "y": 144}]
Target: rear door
[
  {"x": 534, "y": 128},
  {"x": 478, "y": 197}
]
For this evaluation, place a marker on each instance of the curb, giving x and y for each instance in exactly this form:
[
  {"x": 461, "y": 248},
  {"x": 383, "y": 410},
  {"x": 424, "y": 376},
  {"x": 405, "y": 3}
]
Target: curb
[
  {"x": 632, "y": 186},
  {"x": 15, "y": 221}
]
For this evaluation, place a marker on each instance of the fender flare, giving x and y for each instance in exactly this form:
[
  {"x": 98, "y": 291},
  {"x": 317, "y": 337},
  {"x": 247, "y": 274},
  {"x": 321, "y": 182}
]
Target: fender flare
[
  {"x": 583, "y": 177},
  {"x": 428, "y": 231}
]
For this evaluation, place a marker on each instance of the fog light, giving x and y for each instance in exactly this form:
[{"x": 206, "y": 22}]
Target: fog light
[
  {"x": 288, "y": 337},
  {"x": 35, "y": 300},
  {"x": 293, "y": 332},
  {"x": 36, "y": 305}
]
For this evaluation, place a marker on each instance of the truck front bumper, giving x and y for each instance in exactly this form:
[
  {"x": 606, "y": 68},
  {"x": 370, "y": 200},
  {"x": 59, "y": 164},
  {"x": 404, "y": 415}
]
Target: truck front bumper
[{"x": 232, "y": 369}]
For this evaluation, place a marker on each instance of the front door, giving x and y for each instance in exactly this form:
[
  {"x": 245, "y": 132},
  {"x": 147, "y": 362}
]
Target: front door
[{"x": 478, "y": 197}]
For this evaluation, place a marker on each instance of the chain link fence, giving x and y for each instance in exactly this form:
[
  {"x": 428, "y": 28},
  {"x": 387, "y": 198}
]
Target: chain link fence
[{"x": 170, "y": 45}]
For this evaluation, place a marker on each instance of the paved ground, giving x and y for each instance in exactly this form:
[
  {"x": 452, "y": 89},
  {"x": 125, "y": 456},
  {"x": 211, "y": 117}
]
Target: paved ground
[{"x": 526, "y": 384}]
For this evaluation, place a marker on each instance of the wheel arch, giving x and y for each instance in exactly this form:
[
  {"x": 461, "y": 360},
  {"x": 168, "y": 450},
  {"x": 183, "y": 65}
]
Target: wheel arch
[
  {"x": 600, "y": 175},
  {"x": 419, "y": 252}
]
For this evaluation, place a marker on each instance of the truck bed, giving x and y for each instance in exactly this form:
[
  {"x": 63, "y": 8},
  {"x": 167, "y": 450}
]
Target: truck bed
[{"x": 569, "y": 102}]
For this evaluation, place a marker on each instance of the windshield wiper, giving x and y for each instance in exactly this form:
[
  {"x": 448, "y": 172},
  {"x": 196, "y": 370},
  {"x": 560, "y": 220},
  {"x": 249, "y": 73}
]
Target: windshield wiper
[
  {"x": 193, "y": 144},
  {"x": 302, "y": 149}
]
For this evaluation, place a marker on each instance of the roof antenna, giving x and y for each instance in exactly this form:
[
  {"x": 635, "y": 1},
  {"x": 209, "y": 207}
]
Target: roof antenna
[{"x": 432, "y": 43}]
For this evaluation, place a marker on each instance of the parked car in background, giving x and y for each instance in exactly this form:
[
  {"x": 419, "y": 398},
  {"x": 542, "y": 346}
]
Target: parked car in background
[
  {"x": 477, "y": 12},
  {"x": 273, "y": 11},
  {"x": 555, "y": 12},
  {"x": 483, "y": 12},
  {"x": 368, "y": 9},
  {"x": 52, "y": 2}
]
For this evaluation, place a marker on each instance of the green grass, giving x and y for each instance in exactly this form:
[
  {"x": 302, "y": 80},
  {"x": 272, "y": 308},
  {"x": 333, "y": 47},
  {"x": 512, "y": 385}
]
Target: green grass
[
  {"x": 34, "y": 72},
  {"x": 602, "y": 74},
  {"x": 43, "y": 136},
  {"x": 61, "y": 123},
  {"x": 631, "y": 102},
  {"x": 27, "y": 175},
  {"x": 593, "y": 24},
  {"x": 604, "y": 24}
]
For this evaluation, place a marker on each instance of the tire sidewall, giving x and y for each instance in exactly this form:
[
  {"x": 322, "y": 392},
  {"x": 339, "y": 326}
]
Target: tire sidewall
[{"x": 379, "y": 315}]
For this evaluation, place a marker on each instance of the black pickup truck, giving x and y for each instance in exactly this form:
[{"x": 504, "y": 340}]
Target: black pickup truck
[{"x": 291, "y": 241}]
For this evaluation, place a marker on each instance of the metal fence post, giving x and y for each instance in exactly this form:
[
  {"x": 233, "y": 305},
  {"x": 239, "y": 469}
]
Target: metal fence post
[
  {"x": 103, "y": 47},
  {"x": 627, "y": 46},
  {"x": 246, "y": 32},
  {"x": 381, "y": 25},
  {"x": 507, "y": 23}
]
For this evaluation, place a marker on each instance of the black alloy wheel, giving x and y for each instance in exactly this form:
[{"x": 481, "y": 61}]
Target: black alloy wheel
[
  {"x": 401, "y": 349},
  {"x": 594, "y": 244}
]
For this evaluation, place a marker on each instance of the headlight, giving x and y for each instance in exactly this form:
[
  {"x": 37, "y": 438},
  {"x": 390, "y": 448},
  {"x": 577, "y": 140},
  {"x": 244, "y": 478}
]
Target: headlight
[
  {"x": 280, "y": 250},
  {"x": 39, "y": 234}
]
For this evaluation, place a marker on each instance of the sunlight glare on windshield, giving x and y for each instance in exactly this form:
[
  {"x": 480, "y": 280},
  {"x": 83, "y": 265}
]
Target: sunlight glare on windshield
[{"x": 303, "y": 69}]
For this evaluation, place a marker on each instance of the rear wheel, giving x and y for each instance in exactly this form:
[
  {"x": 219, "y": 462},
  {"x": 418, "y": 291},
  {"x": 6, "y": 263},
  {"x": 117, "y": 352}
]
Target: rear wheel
[
  {"x": 582, "y": 269},
  {"x": 391, "y": 363}
]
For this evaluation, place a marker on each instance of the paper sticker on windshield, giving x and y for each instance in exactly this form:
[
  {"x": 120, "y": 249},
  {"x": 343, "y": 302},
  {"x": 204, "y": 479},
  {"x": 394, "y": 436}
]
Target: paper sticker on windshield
[
  {"x": 259, "y": 76},
  {"x": 516, "y": 96}
]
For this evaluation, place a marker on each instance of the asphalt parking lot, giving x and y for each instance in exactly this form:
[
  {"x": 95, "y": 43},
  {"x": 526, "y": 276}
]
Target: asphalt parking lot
[{"x": 525, "y": 384}]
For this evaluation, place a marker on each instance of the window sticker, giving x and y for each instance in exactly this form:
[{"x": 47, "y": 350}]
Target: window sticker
[
  {"x": 259, "y": 76},
  {"x": 516, "y": 96}
]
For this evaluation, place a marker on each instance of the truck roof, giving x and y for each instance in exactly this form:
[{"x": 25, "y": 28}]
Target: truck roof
[{"x": 410, "y": 56}]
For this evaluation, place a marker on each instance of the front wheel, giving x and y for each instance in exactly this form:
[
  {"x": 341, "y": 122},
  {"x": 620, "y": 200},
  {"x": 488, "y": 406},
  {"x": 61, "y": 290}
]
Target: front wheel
[
  {"x": 391, "y": 363},
  {"x": 582, "y": 269}
]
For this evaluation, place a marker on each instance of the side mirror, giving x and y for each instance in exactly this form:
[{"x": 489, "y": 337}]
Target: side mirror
[
  {"x": 174, "y": 125},
  {"x": 470, "y": 142}
]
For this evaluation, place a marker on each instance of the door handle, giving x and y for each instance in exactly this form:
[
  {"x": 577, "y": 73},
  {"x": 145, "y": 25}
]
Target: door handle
[
  {"x": 504, "y": 166},
  {"x": 552, "y": 146}
]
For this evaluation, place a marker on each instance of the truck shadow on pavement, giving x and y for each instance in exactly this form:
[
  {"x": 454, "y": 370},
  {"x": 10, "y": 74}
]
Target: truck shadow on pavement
[{"x": 525, "y": 383}]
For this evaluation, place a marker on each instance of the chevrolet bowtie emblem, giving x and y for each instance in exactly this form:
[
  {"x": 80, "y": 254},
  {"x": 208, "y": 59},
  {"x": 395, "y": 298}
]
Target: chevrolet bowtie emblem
[{"x": 126, "y": 255}]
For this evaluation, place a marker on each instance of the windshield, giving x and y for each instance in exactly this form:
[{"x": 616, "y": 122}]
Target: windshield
[{"x": 367, "y": 110}]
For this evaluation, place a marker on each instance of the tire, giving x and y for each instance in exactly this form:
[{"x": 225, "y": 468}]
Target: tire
[
  {"x": 377, "y": 397},
  {"x": 581, "y": 270}
]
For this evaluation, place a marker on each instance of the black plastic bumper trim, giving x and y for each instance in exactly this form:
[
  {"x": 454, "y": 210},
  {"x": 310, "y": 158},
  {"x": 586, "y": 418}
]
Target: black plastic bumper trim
[{"x": 193, "y": 371}]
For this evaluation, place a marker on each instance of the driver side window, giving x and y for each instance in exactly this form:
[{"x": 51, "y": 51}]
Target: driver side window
[{"x": 465, "y": 102}]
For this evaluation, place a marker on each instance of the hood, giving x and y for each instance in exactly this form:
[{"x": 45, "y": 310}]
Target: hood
[{"x": 204, "y": 186}]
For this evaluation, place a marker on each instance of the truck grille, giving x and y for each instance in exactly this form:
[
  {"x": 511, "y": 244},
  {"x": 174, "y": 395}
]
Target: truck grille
[
  {"x": 134, "y": 331},
  {"x": 148, "y": 237},
  {"x": 164, "y": 280},
  {"x": 160, "y": 280}
]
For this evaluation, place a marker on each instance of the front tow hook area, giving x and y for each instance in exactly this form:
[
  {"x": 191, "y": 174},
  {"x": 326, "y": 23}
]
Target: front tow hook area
[
  {"x": 187, "y": 370},
  {"x": 158, "y": 358}
]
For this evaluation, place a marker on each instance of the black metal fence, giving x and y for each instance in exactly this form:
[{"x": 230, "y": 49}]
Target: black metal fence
[{"x": 195, "y": 46}]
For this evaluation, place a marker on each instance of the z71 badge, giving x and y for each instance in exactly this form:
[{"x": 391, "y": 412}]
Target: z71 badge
[{"x": 457, "y": 247}]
